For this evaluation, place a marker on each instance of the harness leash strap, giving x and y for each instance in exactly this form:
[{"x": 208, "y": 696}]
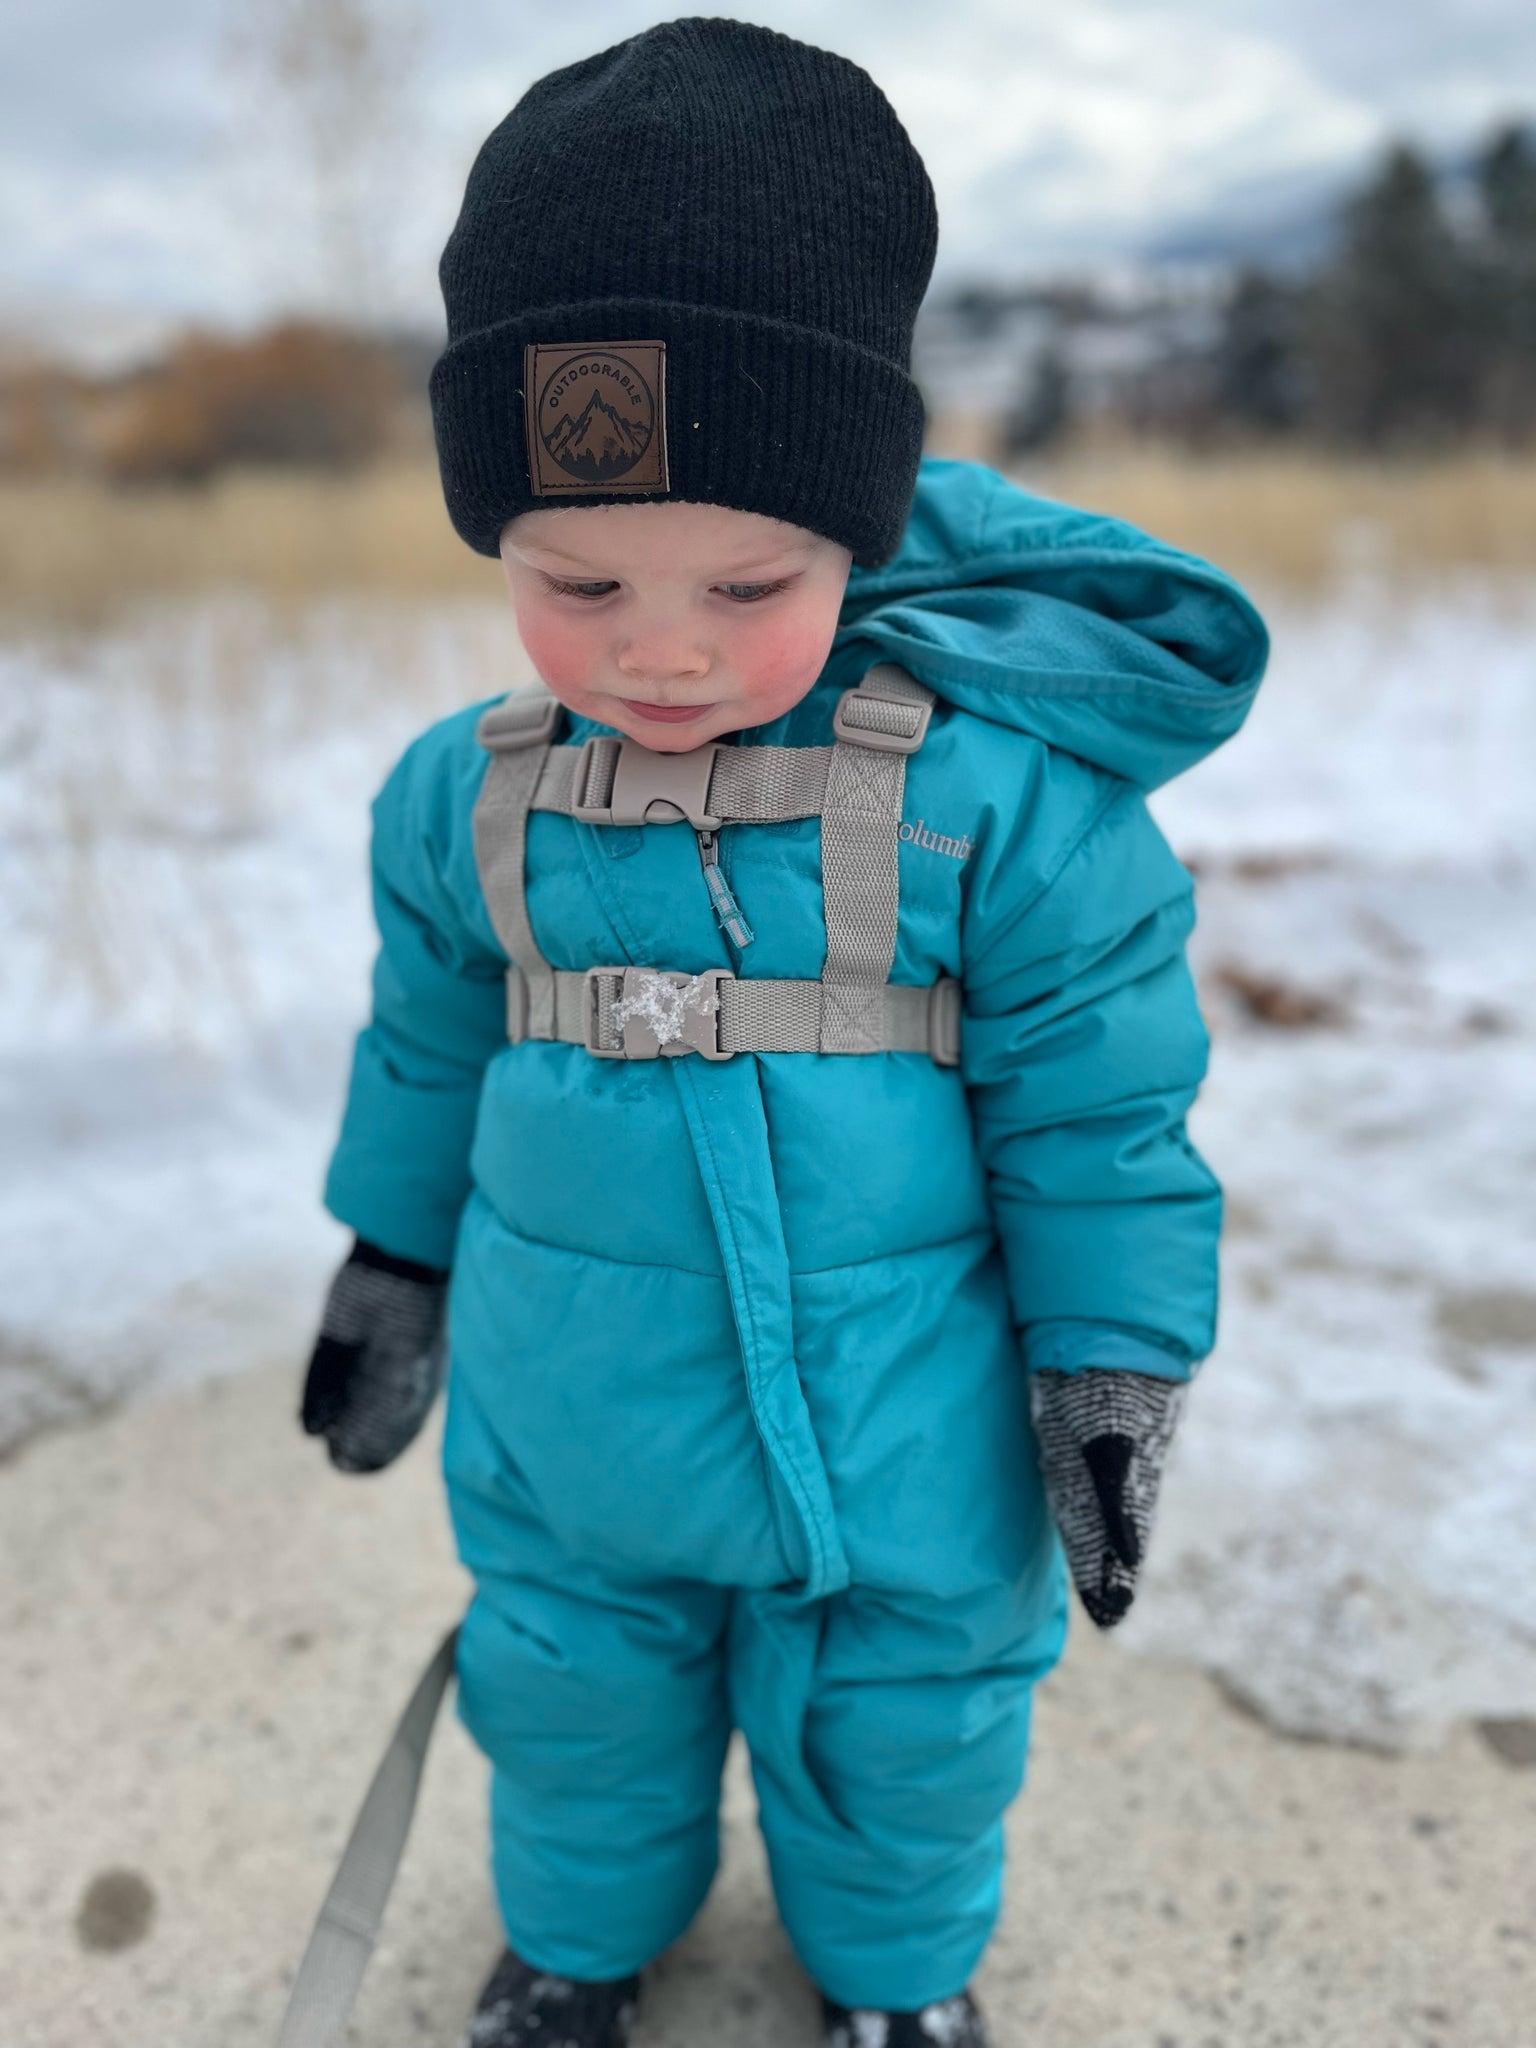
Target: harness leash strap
[{"x": 326, "y": 1987}]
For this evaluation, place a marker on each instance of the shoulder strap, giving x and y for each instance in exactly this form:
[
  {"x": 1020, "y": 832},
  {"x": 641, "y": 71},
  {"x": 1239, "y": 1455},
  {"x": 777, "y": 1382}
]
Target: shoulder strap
[
  {"x": 517, "y": 731},
  {"x": 877, "y": 725}
]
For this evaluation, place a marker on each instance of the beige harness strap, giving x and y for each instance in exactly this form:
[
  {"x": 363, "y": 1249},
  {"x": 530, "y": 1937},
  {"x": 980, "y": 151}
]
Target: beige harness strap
[
  {"x": 625, "y": 1012},
  {"x": 613, "y": 781},
  {"x": 877, "y": 726},
  {"x": 631, "y": 1012},
  {"x": 517, "y": 731}
]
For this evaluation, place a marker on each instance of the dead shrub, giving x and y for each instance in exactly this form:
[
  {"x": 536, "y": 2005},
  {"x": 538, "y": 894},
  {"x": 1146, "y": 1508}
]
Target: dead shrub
[
  {"x": 300, "y": 395},
  {"x": 1271, "y": 999}
]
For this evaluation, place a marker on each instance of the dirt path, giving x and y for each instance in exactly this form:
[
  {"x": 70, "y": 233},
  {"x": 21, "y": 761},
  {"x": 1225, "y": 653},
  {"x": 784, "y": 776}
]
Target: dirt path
[{"x": 205, "y": 1634}]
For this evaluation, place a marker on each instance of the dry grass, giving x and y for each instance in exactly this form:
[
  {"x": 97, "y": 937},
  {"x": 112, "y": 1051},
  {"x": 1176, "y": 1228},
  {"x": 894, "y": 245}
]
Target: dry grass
[
  {"x": 76, "y": 554},
  {"x": 165, "y": 781},
  {"x": 1293, "y": 517},
  {"x": 1299, "y": 521}
]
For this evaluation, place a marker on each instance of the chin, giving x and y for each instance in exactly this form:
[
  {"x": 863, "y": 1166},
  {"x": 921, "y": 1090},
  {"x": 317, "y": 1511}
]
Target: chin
[{"x": 662, "y": 738}]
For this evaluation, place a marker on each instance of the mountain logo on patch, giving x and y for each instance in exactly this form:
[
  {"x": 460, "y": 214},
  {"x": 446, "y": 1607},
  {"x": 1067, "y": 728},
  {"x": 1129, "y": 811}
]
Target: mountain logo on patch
[{"x": 596, "y": 418}]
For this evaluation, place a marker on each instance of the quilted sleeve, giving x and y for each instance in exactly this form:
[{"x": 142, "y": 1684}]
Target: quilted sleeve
[
  {"x": 399, "y": 1174},
  {"x": 1083, "y": 1048}
]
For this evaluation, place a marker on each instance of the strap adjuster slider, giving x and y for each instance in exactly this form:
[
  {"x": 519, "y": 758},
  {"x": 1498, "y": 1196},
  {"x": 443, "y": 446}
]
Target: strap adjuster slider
[
  {"x": 525, "y": 718},
  {"x": 866, "y": 717}
]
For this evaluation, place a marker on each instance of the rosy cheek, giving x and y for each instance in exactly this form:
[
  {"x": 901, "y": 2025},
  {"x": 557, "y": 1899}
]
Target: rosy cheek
[
  {"x": 563, "y": 649},
  {"x": 776, "y": 662}
]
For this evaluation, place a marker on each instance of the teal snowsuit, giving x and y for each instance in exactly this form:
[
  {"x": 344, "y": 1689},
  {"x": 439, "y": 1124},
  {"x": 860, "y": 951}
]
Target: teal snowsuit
[{"x": 738, "y": 1430}]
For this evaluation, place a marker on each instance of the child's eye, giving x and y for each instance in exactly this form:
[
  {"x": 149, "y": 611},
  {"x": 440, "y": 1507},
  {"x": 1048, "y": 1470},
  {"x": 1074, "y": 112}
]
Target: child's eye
[
  {"x": 749, "y": 593},
  {"x": 587, "y": 590}
]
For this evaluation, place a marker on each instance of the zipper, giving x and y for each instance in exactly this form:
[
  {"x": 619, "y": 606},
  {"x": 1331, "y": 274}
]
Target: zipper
[{"x": 727, "y": 910}]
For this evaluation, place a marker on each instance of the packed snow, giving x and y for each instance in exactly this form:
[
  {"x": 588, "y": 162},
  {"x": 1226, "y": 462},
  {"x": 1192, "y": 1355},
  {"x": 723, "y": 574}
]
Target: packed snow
[
  {"x": 184, "y": 805},
  {"x": 1348, "y": 1524}
]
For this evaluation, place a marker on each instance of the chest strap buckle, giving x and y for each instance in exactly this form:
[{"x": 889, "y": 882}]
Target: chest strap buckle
[
  {"x": 619, "y": 782},
  {"x": 638, "y": 1013}
]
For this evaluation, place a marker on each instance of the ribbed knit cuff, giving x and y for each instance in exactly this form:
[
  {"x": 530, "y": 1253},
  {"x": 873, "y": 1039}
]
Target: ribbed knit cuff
[{"x": 761, "y": 415}]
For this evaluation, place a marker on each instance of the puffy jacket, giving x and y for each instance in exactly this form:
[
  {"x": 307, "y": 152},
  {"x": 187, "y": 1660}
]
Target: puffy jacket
[{"x": 764, "y": 1321}]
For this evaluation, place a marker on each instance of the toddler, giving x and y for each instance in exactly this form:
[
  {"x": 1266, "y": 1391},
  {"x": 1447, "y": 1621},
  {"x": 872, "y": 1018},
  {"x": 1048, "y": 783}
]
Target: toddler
[{"x": 773, "y": 1106}]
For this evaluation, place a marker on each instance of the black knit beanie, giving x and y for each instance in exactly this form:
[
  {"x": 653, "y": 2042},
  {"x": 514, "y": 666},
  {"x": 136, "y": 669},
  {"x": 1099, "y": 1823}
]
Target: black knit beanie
[{"x": 688, "y": 267}]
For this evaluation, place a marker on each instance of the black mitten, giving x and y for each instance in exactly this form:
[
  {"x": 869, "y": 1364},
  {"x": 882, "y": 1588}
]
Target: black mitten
[
  {"x": 379, "y": 1361},
  {"x": 1104, "y": 1433}
]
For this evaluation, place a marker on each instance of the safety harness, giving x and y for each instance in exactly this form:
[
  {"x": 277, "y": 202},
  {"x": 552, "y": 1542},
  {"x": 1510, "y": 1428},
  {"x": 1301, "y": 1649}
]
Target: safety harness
[{"x": 622, "y": 1011}]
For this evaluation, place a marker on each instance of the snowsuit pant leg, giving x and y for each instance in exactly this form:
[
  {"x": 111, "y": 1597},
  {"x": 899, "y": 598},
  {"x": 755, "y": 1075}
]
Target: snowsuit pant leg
[
  {"x": 888, "y": 1734},
  {"x": 602, "y": 1705}
]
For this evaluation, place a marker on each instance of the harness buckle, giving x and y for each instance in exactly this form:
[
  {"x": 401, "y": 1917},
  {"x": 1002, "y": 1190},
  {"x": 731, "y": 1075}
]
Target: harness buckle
[
  {"x": 635, "y": 786},
  {"x": 867, "y": 717},
  {"x": 523, "y": 718},
  {"x": 640, "y": 1013},
  {"x": 944, "y": 1022}
]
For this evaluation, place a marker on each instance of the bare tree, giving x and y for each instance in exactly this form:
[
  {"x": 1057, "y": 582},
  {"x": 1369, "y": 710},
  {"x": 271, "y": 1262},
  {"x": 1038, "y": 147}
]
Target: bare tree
[{"x": 328, "y": 84}]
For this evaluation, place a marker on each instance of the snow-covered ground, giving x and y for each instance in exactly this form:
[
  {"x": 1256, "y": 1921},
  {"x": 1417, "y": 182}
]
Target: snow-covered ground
[
  {"x": 1348, "y": 1531},
  {"x": 1349, "y": 1526},
  {"x": 186, "y": 941}
]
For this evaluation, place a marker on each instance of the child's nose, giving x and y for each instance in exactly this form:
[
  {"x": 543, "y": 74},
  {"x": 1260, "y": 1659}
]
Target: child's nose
[{"x": 662, "y": 660}]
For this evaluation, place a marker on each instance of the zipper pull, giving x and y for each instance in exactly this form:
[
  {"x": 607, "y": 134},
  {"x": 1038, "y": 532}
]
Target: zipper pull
[{"x": 727, "y": 909}]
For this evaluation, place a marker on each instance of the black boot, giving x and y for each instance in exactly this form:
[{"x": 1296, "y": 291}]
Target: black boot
[
  {"x": 521, "y": 2007},
  {"x": 947, "y": 2023}
]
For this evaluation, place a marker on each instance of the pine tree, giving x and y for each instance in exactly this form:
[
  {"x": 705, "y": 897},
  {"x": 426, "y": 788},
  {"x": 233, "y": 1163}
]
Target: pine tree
[
  {"x": 1042, "y": 410},
  {"x": 1506, "y": 182},
  {"x": 1506, "y": 178},
  {"x": 1393, "y": 345},
  {"x": 1258, "y": 372}
]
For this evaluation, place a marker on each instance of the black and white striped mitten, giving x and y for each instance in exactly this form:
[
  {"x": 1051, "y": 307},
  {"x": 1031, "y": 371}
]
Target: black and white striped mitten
[
  {"x": 1104, "y": 1434},
  {"x": 379, "y": 1360}
]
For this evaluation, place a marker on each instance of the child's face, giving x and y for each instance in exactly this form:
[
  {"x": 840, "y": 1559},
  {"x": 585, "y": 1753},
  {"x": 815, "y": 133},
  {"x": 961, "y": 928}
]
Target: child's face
[{"x": 673, "y": 622}]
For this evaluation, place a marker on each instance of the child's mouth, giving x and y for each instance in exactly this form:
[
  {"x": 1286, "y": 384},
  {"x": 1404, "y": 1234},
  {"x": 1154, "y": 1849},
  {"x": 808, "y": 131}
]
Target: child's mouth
[{"x": 670, "y": 714}]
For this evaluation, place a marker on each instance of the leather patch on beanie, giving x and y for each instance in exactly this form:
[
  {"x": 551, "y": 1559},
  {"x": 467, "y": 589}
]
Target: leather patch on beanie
[{"x": 596, "y": 416}]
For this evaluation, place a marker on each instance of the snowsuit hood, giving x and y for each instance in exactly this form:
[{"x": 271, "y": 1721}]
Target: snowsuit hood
[{"x": 1068, "y": 625}]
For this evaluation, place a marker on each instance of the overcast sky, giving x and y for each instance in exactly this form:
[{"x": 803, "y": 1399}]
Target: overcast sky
[{"x": 143, "y": 175}]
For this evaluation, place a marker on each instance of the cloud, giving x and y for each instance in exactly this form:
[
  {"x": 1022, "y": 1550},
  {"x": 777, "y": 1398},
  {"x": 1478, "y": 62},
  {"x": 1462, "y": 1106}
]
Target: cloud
[
  {"x": 1098, "y": 126},
  {"x": 137, "y": 169}
]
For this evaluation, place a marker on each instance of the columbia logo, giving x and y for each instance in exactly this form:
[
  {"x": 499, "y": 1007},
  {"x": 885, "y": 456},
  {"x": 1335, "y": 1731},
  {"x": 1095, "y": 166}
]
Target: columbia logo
[{"x": 935, "y": 842}]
